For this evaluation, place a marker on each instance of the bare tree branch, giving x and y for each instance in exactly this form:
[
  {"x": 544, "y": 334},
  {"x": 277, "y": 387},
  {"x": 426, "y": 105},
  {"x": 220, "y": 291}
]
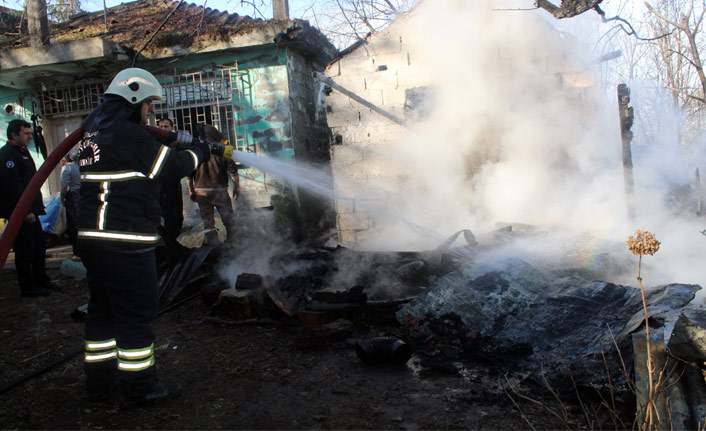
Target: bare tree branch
[
  {"x": 630, "y": 32},
  {"x": 254, "y": 6},
  {"x": 683, "y": 26},
  {"x": 680, "y": 54},
  {"x": 362, "y": 16},
  {"x": 394, "y": 9},
  {"x": 685, "y": 94},
  {"x": 348, "y": 20},
  {"x": 662, "y": 17}
]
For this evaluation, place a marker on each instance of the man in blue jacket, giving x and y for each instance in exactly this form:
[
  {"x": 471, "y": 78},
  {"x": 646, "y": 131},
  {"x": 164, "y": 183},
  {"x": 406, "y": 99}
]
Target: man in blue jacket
[{"x": 16, "y": 170}]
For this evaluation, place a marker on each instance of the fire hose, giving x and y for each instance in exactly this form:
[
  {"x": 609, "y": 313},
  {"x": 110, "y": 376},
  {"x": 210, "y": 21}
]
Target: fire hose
[
  {"x": 25, "y": 201},
  {"x": 77, "y": 350}
]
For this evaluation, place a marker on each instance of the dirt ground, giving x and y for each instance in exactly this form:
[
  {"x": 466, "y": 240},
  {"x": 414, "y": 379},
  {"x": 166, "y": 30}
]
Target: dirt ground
[{"x": 239, "y": 377}]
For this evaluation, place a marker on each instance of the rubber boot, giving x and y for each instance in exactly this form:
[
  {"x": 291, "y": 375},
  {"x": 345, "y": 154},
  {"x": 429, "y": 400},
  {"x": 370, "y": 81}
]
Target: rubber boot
[
  {"x": 158, "y": 392},
  {"x": 99, "y": 388}
]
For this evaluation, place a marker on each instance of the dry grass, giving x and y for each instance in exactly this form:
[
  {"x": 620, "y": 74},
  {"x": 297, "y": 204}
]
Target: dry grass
[{"x": 650, "y": 415}]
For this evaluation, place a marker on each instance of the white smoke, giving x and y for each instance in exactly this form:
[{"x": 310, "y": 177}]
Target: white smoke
[
  {"x": 517, "y": 134},
  {"x": 520, "y": 133}
]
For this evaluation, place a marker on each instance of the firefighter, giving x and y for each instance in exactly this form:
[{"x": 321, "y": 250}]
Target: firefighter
[{"x": 122, "y": 171}]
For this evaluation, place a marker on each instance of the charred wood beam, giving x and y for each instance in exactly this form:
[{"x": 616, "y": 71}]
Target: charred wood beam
[
  {"x": 331, "y": 83},
  {"x": 568, "y": 8},
  {"x": 571, "y": 8},
  {"x": 626, "y": 119},
  {"x": 607, "y": 57}
]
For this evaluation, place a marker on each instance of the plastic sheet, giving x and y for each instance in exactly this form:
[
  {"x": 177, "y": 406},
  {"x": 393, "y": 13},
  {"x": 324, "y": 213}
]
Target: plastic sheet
[{"x": 51, "y": 221}]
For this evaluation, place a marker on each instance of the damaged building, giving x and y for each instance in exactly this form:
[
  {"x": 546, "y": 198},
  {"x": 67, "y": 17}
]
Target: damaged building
[
  {"x": 251, "y": 78},
  {"x": 380, "y": 89}
]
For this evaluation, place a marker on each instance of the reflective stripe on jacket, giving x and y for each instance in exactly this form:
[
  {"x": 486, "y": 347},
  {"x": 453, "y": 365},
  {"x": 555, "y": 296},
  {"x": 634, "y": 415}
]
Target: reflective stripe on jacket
[{"x": 122, "y": 170}]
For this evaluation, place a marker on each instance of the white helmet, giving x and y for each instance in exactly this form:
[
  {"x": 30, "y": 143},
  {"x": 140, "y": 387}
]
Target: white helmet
[{"x": 136, "y": 86}]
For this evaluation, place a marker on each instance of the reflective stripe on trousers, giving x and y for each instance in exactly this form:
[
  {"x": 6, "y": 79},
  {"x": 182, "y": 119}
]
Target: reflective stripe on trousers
[
  {"x": 99, "y": 351},
  {"x": 135, "y": 359}
]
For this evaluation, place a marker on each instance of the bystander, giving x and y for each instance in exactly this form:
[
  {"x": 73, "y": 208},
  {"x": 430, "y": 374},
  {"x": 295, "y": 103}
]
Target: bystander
[{"x": 16, "y": 170}]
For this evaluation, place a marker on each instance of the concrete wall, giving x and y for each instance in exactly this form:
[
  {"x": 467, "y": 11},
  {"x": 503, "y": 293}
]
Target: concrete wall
[
  {"x": 265, "y": 117},
  {"x": 310, "y": 138}
]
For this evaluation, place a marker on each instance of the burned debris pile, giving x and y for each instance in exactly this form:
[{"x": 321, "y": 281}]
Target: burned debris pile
[
  {"x": 569, "y": 322},
  {"x": 455, "y": 309}
]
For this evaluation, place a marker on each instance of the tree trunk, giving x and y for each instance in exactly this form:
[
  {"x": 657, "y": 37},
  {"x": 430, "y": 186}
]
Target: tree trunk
[
  {"x": 697, "y": 62},
  {"x": 37, "y": 22},
  {"x": 280, "y": 10}
]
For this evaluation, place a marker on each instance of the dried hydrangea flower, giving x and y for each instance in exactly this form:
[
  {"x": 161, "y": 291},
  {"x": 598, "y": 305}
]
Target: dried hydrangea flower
[{"x": 643, "y": 243}]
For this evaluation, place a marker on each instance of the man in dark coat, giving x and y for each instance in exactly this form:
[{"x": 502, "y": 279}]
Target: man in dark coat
[{"x": 16, "y": 170}]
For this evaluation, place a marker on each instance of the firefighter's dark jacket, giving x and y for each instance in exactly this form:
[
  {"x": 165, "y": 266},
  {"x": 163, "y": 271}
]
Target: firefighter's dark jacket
[
  {"x": 122, "y": 170},
  {"x": 16, "y": 170}
]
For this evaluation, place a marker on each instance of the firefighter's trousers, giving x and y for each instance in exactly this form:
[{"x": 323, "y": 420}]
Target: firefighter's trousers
[{"x": 122, "y": 310}]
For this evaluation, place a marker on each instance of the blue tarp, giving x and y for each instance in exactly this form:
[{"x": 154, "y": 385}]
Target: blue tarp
[{"x": 51, "y": 218}]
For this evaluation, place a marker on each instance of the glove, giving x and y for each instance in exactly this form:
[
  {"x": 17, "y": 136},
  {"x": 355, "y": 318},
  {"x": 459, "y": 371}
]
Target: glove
[
  {"x": 183, "y": 140},
  {"x": 204, "y": 149}
]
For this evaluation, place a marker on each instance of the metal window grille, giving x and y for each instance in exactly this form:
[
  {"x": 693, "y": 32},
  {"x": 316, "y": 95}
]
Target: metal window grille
[
  {"x": 71, "y": 99},
  {"x": 204, "y": 98}
]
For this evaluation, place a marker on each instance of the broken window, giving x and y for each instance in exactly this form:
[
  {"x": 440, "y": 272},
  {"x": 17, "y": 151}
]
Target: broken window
[{"x": 419, "y": 103}]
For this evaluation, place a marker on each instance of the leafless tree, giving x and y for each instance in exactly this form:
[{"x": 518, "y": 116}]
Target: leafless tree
[
  {"x": 348, "y": 21},
  {"x": 342, "y": 21},
  {"x": 677, "y": 62},
  {"x": 62, "y": 10},
  {"x": 681, "y": 49},
  {"x": 59, "y": 10},
  {"x": 257, "y": 6}
]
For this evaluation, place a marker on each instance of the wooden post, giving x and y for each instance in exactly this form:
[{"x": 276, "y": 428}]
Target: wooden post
[{"x": 626, "y": 118}]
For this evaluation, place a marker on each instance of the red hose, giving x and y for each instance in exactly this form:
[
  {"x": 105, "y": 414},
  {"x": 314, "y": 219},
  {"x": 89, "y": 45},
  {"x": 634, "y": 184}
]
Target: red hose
[
  {"x": 30, "y": 192},
  {"x": 159, "y": 134}
]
